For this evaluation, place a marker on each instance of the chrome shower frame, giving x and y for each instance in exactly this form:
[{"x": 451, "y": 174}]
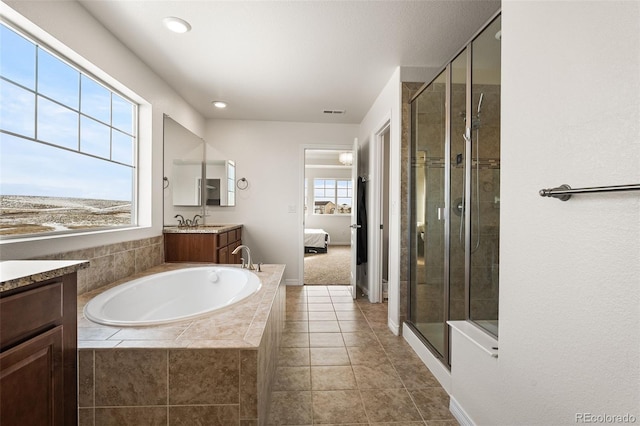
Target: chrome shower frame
[{"x": 467, "y": 208}]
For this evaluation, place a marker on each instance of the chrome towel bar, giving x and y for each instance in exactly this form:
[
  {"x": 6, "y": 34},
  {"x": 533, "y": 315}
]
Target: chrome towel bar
[{"x": 564, "y": 192}]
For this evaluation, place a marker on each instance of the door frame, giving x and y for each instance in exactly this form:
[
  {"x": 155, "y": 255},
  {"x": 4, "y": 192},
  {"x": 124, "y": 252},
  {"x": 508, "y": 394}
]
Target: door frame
[
  {"x": 301, "y": 177},
  {"x": 377, "y": 161}
]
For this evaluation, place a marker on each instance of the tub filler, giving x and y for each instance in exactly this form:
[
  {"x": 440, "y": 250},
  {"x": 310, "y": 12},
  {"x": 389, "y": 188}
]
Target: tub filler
[{"x": 152, "y": 361}]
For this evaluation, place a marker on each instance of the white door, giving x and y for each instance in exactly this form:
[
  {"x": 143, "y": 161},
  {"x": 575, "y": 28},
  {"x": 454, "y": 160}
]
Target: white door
[{"x": 354, "y": 220}]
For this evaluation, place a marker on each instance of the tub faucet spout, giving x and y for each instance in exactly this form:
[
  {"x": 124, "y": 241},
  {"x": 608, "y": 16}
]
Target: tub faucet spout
[{"x": 249, "y": 263}]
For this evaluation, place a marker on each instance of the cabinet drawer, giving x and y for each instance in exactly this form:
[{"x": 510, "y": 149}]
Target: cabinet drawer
[
  {"x": 25, "y": 313},
  {"x": 235, "y": 235},
  {"x": 223, "y": 239}
]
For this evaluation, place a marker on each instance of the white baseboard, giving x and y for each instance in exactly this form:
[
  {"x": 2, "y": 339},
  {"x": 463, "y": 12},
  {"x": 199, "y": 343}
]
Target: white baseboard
[
  {"x": 440, "y": 372},
  {"x": 459, "y": 413},
  {"x": 292, "y": 281},
  {"x": 395, "y": 328}
]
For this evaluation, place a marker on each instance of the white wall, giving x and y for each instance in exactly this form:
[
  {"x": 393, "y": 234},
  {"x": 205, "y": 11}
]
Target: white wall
[
  {"x": 569, "y": 271},
  {"x": 67, "y": 27},
  {"x": 386, "y": 108},
  {"x": 269, "y": 155}
]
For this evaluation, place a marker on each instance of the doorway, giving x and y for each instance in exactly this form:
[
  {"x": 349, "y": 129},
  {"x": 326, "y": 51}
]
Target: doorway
[
  {"x": 328, "y": 201},
  {"x": 384, "y": 209},
  {"x": 378, "y": 267}
]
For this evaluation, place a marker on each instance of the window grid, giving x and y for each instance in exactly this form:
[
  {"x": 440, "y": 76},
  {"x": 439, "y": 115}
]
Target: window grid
[
  {"x": 36, "y": 92},
  {"x": 332, "y": 196},
  {"x": 80, "y": 115},
  {"x": 103, "y": 103}
]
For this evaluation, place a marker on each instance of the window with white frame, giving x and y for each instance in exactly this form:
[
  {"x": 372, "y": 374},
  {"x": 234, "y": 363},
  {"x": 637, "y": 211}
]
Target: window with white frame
[
  {"x": 68, "y": 144},
  {"x": 332, "y": 196}
]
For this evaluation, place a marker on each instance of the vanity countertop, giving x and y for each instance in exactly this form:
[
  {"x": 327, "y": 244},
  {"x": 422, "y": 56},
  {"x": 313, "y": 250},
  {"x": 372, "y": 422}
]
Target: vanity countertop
[
  {"x": 19, "y": 273},
  {"x": 200, "y": 229}
]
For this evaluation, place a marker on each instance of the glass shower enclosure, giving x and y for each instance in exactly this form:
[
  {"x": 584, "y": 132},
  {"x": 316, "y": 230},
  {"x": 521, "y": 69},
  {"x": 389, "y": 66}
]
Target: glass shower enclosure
[{"x": 455, "y": 195}]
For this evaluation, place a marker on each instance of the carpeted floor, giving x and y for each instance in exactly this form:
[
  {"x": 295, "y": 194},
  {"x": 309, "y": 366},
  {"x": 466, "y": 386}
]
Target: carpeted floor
[{"x": 331, "y": 268}]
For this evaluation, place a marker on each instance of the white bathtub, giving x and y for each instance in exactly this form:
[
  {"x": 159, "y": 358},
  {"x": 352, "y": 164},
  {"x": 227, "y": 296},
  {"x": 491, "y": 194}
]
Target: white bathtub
[{"x": 172, "y": 296}]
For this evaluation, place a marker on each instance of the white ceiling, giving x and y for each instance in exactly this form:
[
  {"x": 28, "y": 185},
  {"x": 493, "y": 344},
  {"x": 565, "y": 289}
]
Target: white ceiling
[{"x": 290, "y": 60}]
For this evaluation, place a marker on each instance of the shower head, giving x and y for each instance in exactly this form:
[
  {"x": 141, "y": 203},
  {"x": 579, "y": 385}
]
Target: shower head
[{"x": 480, "y": 102}]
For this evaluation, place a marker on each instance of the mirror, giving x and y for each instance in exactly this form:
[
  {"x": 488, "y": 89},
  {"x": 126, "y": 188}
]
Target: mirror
[
  {"x": 186, "y": 166},
  {"x": 220, "y": 188},
  {"x": 186, "y": 178}
]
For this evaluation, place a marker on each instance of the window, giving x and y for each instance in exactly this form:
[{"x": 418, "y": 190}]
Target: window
[
  {"x": 332, "y": 196},
  {"x": 68, "y": 144}
]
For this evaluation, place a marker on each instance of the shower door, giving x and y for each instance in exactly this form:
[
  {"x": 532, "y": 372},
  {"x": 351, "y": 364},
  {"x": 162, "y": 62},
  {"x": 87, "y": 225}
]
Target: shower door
[
  {"x": 455, "y": 195},
  {"x": 428, "y": 237}
]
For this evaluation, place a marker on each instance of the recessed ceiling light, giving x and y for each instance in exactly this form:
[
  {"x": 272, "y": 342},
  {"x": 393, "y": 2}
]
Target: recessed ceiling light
[
  {"x": 176, "y": 25},
  {"x": 219, "y": 104}
]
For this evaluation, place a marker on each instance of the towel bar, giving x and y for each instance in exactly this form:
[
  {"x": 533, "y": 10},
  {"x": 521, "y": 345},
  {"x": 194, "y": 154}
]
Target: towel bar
[{"x": 564, "y": 192}]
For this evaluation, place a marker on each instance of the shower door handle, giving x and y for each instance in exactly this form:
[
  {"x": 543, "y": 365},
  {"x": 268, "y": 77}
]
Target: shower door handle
[{"x": 355, "y": 226}]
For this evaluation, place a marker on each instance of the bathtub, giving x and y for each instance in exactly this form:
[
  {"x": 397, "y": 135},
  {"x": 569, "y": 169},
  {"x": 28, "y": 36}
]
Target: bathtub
[{"x": 172, "y": 296}]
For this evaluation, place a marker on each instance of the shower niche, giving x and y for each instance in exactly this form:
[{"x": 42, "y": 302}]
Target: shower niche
[{"x": 455, "y": 195}]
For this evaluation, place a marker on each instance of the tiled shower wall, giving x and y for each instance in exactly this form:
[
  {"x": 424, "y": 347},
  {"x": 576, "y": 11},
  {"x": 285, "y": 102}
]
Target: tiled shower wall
[
  {"x": 113, "y": 262},
  {"x": 485, "y": 257}
]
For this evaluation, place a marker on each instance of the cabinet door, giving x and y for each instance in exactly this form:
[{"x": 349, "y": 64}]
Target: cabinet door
[
  {"x": 31, "y": 379},
  {"x": 223, "y": 255},
  {"x": 189, "y": 247}
]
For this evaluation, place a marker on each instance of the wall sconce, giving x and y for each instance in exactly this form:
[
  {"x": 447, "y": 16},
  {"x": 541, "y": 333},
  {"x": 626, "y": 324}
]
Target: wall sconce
[{"x": 346, "y": 158}]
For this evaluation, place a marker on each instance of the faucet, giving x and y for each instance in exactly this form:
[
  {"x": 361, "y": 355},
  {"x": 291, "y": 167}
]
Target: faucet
[
  {"x": 249, "y": 263},
  {"x": 194, "y": 221},
  {"x": 180, "y": 218}
]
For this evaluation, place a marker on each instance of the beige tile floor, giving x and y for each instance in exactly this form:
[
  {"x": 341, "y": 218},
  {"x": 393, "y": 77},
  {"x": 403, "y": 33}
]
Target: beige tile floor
[{"x": 340, "y": 364}]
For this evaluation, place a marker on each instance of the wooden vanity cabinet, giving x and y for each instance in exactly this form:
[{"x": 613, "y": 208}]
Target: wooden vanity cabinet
[
  {"x": 203, "y": 247},
  {"x": 38, "y": 354}
]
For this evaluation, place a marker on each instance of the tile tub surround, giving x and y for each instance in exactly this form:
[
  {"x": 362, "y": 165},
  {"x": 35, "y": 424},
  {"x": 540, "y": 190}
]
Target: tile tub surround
[
  {"x": 215, "y": 370},
  {"x": 113, "y": 262}
]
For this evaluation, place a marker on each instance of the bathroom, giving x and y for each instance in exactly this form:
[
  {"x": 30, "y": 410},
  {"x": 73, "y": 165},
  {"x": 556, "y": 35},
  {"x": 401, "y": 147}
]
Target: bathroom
[{"x": 577, "y": 126}]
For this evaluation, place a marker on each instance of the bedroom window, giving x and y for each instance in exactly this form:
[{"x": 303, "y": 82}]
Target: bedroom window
[
  {"x": 332, "y": 196},
  {"x": 68, "y": 144}
]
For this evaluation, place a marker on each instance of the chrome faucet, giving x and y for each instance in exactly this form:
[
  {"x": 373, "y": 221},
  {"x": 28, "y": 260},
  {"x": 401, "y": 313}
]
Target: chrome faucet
[
  {"x": 249, "y": 264},
  {"x": 180, "y": 218}
]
